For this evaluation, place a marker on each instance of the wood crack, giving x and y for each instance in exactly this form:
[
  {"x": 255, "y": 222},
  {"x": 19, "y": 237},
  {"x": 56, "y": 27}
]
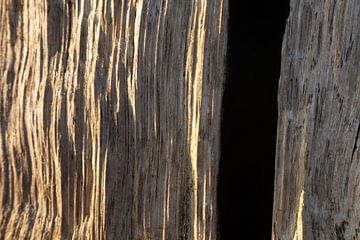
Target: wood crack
[{"x": 355, "y": 142}]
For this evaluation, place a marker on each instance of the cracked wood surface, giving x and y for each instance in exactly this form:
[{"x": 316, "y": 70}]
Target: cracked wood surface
[
  {"x": 109, "y": 118},
  {"x": 317, "y": 180}
]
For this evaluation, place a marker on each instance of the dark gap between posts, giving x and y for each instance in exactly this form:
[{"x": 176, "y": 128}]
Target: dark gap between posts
[{"x": 246, "y": 174}]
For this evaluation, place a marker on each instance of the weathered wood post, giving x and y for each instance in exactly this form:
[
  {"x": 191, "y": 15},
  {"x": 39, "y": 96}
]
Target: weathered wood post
[
  {"x": 110, "y": 115},
  {"x": 317, "y": 185}
]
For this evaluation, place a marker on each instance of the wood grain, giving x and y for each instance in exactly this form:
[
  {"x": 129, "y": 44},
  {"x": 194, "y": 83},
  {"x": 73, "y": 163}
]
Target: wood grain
[
  {"x": 317, "y": 186},
  {"x": 110, "y": 114}
]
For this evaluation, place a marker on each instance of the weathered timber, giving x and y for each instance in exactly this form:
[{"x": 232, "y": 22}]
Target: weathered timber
[
  {"x": 109, "y": 117},
  {"x": 317, "y": 184}
]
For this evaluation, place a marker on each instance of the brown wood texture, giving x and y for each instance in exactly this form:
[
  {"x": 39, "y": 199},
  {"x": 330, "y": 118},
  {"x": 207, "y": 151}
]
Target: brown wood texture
[
  {"x": 109, "y": 117},
  {"x": 317, "y": 184}
]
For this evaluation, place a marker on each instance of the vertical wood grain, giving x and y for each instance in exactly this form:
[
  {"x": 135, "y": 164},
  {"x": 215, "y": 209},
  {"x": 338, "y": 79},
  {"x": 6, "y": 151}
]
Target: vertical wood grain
[
  {"x": 317, "y": 164},
  {"x": 110, "y": 116}
]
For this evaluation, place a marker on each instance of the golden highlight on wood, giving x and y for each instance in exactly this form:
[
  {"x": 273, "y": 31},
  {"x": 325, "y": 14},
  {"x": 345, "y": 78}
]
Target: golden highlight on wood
[{"x": 109, "y": 118}]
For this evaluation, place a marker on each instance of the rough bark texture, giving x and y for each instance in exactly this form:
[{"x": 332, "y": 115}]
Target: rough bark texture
[
  {"x": 317, "y": 186},
  {"x": 109, "y": 115}
]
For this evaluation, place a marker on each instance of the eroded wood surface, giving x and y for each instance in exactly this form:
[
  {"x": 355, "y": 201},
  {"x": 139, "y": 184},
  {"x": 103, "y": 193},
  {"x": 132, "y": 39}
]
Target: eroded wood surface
[
  {"x": 317, "y": 184},
  {"x": 110, "y": 115}
]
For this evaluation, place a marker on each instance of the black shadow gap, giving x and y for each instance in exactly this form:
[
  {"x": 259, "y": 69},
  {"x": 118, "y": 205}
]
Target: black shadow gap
[{"x": 246, "y": 174}]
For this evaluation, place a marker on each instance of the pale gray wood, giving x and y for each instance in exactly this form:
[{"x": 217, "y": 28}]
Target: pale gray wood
[
  {"x": 110, "y": 115},
  {"x": 317, "y": 184}
]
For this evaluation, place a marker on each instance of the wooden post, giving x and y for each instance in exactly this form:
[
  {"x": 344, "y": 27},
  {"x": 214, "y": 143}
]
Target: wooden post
[
  {"x": 110, "y": 115},
  {"x": 318, "y": 160}
]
